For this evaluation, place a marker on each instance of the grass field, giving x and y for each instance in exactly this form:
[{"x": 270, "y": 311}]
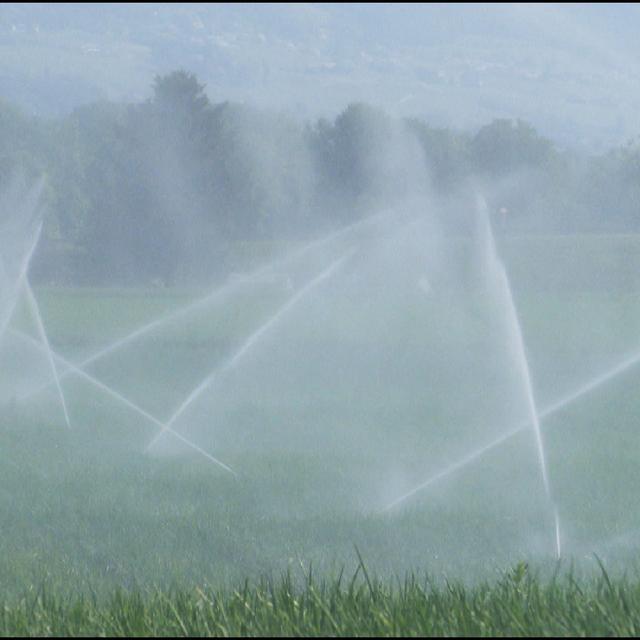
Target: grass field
[
  {"x": 516, "y": 604},
  {"x": 361, "y": 392}
]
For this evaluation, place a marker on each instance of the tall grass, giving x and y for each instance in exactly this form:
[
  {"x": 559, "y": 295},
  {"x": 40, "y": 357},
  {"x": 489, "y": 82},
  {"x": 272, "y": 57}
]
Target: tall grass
[{"x": 518, "y": 603}]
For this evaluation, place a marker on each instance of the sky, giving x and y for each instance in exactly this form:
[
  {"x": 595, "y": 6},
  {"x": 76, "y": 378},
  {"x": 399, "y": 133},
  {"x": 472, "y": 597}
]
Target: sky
[{"x": 570, "y": 70}]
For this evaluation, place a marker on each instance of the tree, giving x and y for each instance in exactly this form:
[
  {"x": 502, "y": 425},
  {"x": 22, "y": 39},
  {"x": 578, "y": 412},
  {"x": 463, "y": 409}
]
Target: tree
[
  {"x": 506, "y": 145},
  {"x": 447, "y": 154},
  {"x": 180, "y": 101}
]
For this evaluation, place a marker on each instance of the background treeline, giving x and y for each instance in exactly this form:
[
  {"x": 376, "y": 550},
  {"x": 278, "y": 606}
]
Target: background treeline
[{"x": 175, "y": 188}]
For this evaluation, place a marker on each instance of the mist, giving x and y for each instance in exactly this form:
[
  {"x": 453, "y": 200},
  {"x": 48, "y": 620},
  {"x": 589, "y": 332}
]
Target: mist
[{"x": 241, "y": 332}]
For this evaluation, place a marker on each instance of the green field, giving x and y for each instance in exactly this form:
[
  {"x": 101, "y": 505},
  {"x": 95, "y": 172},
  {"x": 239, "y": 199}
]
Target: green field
[
  {"x": 516, "y": 604},
  {"x": 359, "y": 393}
]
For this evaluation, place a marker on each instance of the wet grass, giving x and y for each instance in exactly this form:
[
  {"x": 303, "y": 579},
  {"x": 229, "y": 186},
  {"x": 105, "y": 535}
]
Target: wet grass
[{"x": 516, "y": 604}]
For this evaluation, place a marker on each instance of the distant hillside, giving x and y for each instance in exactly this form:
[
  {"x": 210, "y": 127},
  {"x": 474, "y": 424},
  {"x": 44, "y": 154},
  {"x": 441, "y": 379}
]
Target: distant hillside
[{"x": 569, "y": 70}]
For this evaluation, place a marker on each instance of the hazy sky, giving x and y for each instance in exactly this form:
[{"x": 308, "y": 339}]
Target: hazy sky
[{"x": 571, "y": 70}]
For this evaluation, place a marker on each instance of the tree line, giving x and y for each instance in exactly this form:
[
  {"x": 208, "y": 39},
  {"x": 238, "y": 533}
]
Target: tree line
[{"x": 167, "y": 189}]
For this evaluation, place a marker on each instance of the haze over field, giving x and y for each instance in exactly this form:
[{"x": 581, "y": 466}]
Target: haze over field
[{"x": 289, "y": 291}]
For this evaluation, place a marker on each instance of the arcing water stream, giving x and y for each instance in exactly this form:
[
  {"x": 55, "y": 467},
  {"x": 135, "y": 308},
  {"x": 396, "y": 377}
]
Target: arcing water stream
[{"x": 253, "y": 339}]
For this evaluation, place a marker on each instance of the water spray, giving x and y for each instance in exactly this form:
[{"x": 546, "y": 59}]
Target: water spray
[
  {"x": 498, "y": 281},
  {"x": 124, "y": 401},
  {"x": 253, "y": 339},
  {"x": 35, "y": 312},
  {"x": 557, "y": 406},
  {"x": 22, "y": 275},
  {"x": 218, "y": 293}
]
